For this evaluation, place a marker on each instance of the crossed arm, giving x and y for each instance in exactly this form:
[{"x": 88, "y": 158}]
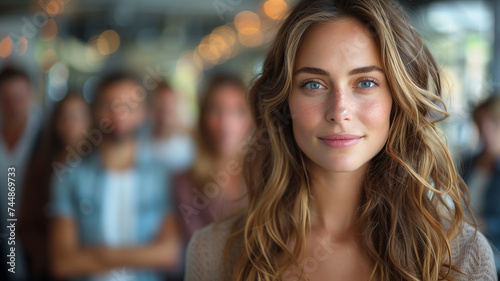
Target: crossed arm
[{"x": 70, "y": 259}]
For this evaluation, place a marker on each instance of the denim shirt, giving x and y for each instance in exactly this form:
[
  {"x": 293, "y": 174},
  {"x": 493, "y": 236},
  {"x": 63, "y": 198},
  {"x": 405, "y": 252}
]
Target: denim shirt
[{"x": 78, "y": 194}]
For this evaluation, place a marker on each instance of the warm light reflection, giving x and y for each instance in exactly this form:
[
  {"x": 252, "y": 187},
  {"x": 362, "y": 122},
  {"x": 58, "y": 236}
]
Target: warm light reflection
[
  {"x": 49, "y": 30},
  {"x": 22, "y": 45},
  {"x": 222, "y": 45},
  {"x": 208, "y": 50},
  {"x": 275, "y": 9},
  {"x": 225, "y": 41},
  {"x": 197, "y": 60},
  {"x": 251, "y": 40},
  {"x": 48, "y": 59},
  {"x": 108, "y": 42},
  {"x": 5, "y": 47},
  {"x": 227, "y": 33},
  {"x": 55, "y": 7},
  {"x": 247, "y": 22}
]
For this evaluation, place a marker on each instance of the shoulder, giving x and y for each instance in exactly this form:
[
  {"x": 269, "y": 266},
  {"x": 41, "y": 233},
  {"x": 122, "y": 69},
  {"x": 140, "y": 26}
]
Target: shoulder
[
  {"x": 182, "y": 178},
  {"x": 472, "y": 253},
  {"x": 205, "y": 251},
  {"x": 212, "y": 237},
  {"x": 73, "y": 169},
  {"x": 182, "y": 185}
]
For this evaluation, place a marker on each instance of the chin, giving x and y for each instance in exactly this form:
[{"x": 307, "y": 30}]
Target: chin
[
  {"x": 342, "y": 168},
  {"x": 117, "y": 135},
  {"x": 339, "y": 164}
]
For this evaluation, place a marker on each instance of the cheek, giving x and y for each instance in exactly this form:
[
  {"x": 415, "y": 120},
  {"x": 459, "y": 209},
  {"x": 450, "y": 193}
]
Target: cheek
[
  {"x": 103, "y": 114},
  {"x": 375, "y": 115},
  {"x": 305, "y": 115},
  {"x": 212, "y": 124},
  {"x": 241, "y": 127},
  {"x": 247, "y": 121},
  {"x": 138, "y": 116}
]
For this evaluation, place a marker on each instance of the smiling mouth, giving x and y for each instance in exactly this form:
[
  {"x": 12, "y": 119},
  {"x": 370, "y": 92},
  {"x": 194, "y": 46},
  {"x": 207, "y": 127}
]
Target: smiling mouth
[{"x": 339, "y": 141}]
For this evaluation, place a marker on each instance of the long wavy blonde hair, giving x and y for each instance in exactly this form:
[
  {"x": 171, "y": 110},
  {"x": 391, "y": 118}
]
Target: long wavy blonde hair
[{"x": 414, "y": 203}]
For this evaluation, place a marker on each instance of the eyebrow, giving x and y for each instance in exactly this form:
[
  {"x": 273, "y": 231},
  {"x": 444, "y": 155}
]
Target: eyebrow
[
  {"x": 312, "y": 70},
  {"x": 320, "y": 71},
  {"x": 365, "y": 69}
]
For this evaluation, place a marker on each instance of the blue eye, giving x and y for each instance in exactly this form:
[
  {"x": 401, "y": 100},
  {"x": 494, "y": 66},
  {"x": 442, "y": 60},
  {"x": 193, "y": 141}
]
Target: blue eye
[
  {"x": 314, "y": 85},
  {"x": 366, "y": 84}
]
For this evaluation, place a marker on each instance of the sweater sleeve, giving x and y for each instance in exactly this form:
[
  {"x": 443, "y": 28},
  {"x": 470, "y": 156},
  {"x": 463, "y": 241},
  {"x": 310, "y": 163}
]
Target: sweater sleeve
[
  {"x": 205, "y": 253},
  {"x": 197, "y": 265},
  {"x": 474, "y": 256},
  {"x": 483, "y": 261}
]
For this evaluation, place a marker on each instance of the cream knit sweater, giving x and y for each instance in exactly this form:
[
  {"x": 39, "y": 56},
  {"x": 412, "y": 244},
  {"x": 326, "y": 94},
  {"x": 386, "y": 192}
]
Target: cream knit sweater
[{"x": 470, "y": 251}]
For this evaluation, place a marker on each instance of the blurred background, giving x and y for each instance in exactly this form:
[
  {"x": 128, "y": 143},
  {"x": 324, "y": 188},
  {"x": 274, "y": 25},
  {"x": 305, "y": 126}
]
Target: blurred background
[{"x": 193, "y": 58}]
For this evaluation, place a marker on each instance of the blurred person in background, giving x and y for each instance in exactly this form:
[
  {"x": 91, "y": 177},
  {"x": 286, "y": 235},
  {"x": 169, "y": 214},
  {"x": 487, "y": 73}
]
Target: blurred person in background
[
  {"x": 20, "y": 123},
  {"x": 481, "y": 172},
  {"x": 171, "y": 145},
  {"x": 214, "y": 188},
  {"x": 69, "y": 121},
  {"x": 111, "y": 211}
]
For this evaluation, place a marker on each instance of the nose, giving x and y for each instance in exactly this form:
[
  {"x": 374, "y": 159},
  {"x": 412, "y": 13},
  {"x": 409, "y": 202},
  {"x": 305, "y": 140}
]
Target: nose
[{"x": 338, "y": 106}]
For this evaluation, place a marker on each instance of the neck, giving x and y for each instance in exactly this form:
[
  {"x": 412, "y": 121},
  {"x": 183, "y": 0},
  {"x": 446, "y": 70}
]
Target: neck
[
  {"x": 335, "y": 199},
  {"x": 12, "y": 129},
  {"x": 118, "y": 154},
  {"x": 222, "y": 160},
  {"x": 11, "y": 123}
]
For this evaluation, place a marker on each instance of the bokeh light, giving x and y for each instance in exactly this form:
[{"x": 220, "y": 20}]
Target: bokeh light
[
  {"x": 247, "y": 22},
  {"x": 49, "y": 30},
  {"x": 108, "y": 42},
  {"x": 275, "y": 9},
  {"x": 22, "y": 45},
  {"x": 48, "y": 59},
  {"x": 5, "y": 47},
  {"x": 55, "y": 7},
  {"x": 251, "y": 40}
]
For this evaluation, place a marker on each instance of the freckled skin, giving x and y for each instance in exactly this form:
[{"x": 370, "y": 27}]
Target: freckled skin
[{"x": 338, "y": 47}]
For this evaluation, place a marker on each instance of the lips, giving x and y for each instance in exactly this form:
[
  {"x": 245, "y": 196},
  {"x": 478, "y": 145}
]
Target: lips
[{"x": 340, "y": 141}]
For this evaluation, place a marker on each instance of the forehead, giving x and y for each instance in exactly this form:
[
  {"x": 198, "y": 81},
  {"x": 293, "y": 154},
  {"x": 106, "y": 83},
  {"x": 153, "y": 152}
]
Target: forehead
[
  {"x": 15, "y": 81},
  {"x": 13, "y": 87},
  {"x": 74, "y": 102},
  {"x": 227, "y": 94},
  {"x": 165, "y": 94},
  {"x": 341, "y": 42},
  {"x": 120, "y": 89}
]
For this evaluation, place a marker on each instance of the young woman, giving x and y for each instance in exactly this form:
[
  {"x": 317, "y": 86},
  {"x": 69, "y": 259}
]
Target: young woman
[
  {"x": 213, "y": 188},
  {"x": 351, "y": 180},
  {"x": 62, "y": 134}
]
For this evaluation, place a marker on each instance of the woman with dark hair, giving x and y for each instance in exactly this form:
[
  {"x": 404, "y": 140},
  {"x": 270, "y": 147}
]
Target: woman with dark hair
[
  {"x": 351, "y": 180},
  {"x": 213, "y": 187},
  {"x": 65, "y": 129}
]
